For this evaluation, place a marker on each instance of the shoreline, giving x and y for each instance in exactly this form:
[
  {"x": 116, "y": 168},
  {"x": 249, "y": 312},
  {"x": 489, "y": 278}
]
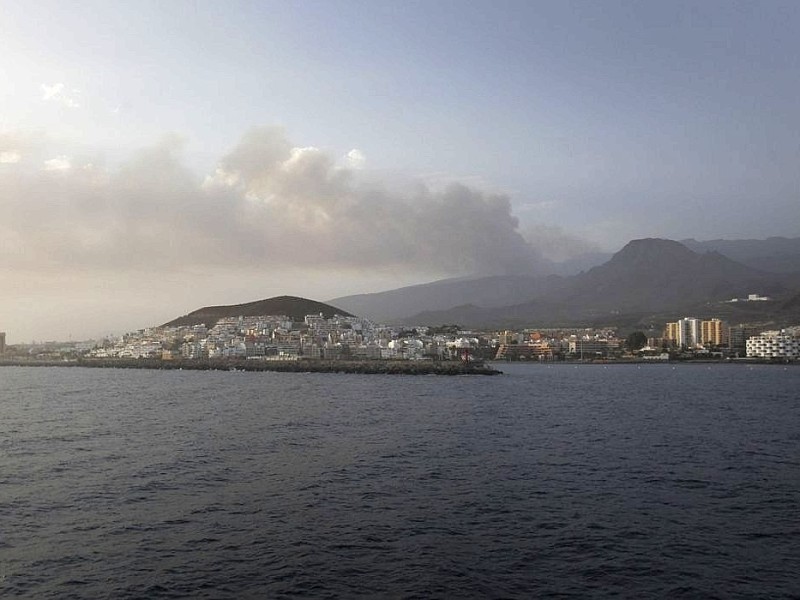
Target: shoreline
[
  {"x": 366, "y": 367},
  {"x": 699, "y": 361}
]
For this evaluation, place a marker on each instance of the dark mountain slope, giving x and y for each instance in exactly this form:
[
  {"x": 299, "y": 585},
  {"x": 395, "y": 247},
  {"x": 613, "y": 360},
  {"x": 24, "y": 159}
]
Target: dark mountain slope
[
  {"x": 654, "y": 274},
  {"x": 775, "y": 254},
  {"x": 501, "y": 290},
  {"x": 646, "y": 277}
]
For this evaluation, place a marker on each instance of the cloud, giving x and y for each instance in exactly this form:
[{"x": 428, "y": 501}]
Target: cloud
[
  {"x": 269, "y": 203},
  {"x": 557, "y": 245},
  {"x": 58, "y": 93},
  {"x": 50, "y": 92},
  {"x": 9, "y": 157},
  {"x": 355, "y": 159},
  {"x": 14, "y": 147},
  {"x": 59, "y": 163}
]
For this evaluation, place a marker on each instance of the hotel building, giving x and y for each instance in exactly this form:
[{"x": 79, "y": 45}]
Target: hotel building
[{"x": 773, "y": 344}]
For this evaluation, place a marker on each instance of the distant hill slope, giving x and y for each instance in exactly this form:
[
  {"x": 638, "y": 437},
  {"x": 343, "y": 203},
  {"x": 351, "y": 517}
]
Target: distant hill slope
[
  {"x": 493, "y": 291},
  {"x": 291, "y": 306},
  {"x": 775, "y": 254},
  {"x": 646, "y": 277}
]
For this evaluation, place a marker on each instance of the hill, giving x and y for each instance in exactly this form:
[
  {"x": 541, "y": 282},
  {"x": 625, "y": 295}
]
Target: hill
[
  {"x": 492, "y": 291},
  {"x": 648, "y": 278},
  {"x": 291, "y": 306},
  {"x": 656, "y": 274},
  {"x": 775, "y": 254},
  {"x": 647, "y": 275}
]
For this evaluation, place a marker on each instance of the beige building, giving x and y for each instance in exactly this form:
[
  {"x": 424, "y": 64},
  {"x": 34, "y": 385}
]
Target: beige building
[
  {"x": 690, "y": 332},
  {"x": 671, "y": 333},
  {"x": 714, "y": 333},
  {"x": 507, "y": 337},
  {"x": 684, "y": 333}
]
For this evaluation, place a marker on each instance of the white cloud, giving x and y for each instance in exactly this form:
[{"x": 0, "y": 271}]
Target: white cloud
[
  {"x": 269, "y": 204},
  {"x": 51, "y": 91},
  {"x": 58, "y": 93},
  {"x": 10, "y": 157},
  {"x": 355, "y": 159},
  {"x": 59, "y": 163}
]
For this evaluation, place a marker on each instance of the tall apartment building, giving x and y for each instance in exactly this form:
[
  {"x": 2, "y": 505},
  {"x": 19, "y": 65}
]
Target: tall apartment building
[
  {"x": 689, "y": 332},
  {"x": 2, "y": 342},
  {"x": 671, "y": 332},
  {"x": 713, "y": 333}
]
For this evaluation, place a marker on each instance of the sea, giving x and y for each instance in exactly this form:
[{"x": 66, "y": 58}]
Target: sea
[{"x": 550, "y": 481}]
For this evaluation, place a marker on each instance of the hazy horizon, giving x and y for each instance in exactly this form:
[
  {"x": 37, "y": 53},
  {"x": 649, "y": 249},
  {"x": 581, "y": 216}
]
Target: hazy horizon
[{"x": 159, "y": 157}]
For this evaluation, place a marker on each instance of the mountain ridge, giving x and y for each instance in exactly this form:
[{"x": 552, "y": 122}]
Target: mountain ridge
[
  {"x": 647, "y": 276},
  {"x": 773, "y": 254}
]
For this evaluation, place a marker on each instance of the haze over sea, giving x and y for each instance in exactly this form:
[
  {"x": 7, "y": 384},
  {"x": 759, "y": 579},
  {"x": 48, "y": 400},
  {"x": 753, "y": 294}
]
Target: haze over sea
[{"x": 649, "y": 481}]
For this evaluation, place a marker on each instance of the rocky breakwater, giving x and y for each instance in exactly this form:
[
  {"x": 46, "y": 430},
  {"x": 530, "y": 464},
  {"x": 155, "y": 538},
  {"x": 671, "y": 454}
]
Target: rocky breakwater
[{"x": 367, "y": 367}]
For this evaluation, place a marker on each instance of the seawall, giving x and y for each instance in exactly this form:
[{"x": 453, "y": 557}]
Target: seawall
[{"x": 367, "y": 367}]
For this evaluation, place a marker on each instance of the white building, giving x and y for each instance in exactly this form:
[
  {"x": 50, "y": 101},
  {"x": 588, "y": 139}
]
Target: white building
[
  {"x": 773, "y": 344},
  {"x": 689, "y": 332}
]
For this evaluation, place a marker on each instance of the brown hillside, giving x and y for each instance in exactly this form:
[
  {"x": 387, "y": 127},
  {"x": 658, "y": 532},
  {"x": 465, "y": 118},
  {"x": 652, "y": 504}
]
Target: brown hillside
[{"x": 292, "y": 306}]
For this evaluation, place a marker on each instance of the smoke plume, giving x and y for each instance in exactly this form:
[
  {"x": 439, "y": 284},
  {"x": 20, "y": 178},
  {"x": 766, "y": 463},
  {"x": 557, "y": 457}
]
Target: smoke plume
[{"x": 268, "y": 203}]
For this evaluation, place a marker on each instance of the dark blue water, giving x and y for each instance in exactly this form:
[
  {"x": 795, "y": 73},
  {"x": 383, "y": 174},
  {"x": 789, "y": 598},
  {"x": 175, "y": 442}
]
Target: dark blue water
[{"x": 638, "y": 482}]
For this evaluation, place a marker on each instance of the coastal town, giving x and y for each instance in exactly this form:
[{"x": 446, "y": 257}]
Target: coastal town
[{"x": 340, "y": 338}]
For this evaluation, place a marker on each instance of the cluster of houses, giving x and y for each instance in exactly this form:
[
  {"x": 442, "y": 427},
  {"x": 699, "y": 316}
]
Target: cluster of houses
[
  {"x": 277, "y": 337},
  {"x": 685, "y": 338},
  {"x": 280, "y": 338}
]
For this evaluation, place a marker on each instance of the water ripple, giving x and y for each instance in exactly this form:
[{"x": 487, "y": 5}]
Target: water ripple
[{"x": 555, "y": 482}]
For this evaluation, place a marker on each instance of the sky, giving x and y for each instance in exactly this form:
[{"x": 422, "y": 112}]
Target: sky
[{"x": 156, "y": 157}]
